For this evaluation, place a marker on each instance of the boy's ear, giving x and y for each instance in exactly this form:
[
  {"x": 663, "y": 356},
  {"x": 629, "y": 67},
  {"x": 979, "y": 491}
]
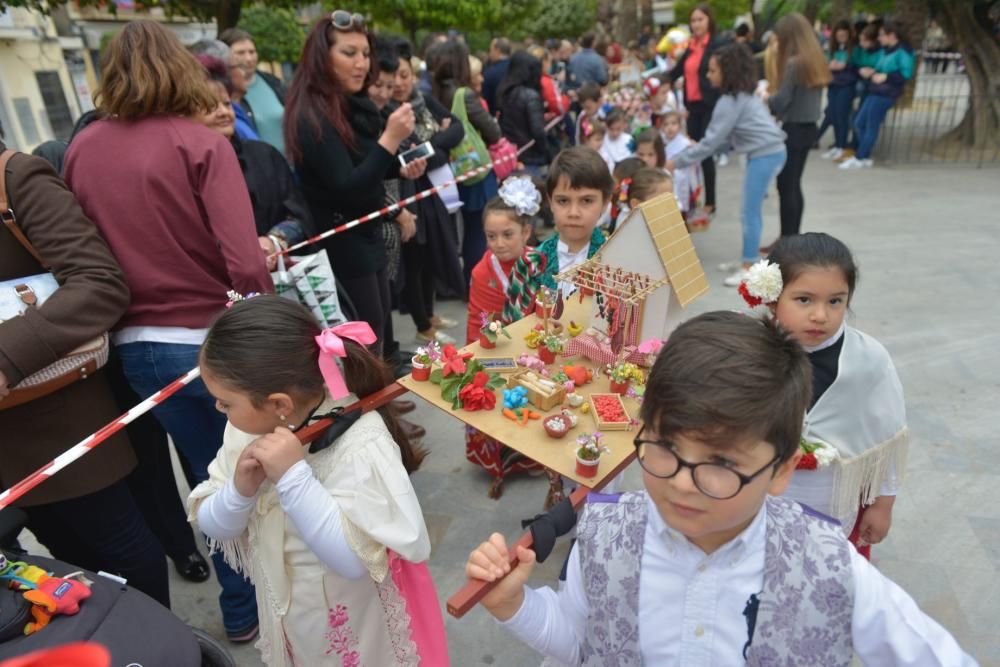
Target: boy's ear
[{"x": 783, "y": 475}]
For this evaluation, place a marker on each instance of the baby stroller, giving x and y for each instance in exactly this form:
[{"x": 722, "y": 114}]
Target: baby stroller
[{"x": 132, "y": 626}]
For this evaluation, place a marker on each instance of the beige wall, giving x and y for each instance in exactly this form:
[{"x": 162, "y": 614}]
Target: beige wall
[{"x": 22, "y": 53}]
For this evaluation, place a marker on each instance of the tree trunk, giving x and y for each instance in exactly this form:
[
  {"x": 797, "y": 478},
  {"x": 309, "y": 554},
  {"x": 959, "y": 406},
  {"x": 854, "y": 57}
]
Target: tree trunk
[
  {"x": 842, "y": 10},
  {"x": 811, "y": 10},
  {"x": 646, "y": 14},
  {"x": 227, "y": 14},
  {"x": 628, "y": 23},
  {"x": 980, "y": 128},
  {"x": 912, "y": 15}
]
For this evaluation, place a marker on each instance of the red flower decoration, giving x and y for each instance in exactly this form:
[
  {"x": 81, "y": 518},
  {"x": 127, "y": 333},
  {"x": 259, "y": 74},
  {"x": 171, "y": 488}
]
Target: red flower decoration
[
  {"x": 475, "y": 395},
  {"x": 807, "y": 462},
  {"x": 752, "y": 301},
  {"x": 453, "y": 362}
]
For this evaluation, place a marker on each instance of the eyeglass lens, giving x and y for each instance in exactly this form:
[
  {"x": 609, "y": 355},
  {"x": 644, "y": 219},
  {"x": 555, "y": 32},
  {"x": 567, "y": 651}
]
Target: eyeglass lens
[{"x": 714, "y": 480}]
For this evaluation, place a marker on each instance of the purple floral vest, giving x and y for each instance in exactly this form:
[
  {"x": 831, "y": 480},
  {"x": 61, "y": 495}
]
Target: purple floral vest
[{"x": 804, "y": 614}]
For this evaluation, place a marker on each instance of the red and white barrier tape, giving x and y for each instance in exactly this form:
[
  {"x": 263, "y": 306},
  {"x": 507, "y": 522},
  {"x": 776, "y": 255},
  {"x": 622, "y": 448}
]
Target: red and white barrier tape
[
  {"x": 80, "y": 449},
  {"x": 89, "y": 443}
]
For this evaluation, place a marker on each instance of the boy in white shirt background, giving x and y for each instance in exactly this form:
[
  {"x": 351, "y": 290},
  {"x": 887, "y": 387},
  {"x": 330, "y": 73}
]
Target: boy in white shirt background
[{"x": 707, "y": 566}]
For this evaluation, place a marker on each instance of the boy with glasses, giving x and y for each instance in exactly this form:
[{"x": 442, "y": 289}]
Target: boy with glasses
[{"x": 707, "y": 566}]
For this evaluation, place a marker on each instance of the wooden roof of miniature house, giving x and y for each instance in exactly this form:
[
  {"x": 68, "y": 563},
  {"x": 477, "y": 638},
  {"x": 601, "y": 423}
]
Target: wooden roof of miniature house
[{"x": 673, "y": 244}]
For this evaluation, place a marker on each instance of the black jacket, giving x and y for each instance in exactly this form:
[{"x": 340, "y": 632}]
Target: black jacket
[
  {"x": 341, "y": 184},
  {"x": 522, "y": 118},
  {"x": 273, "y": 191},
  {"x": 709, "y": 94}
]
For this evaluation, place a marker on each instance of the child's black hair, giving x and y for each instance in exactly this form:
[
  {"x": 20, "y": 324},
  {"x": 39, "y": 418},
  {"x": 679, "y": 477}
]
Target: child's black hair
[
  {"x": 652, "y": 136},
  {"x": 645, "y": 182},
  {"x": 589, "y": 91},
  {"x": 726, "y": 379},
  {"x": 616, "y": 115},
  {"x": 266, "y": 345},
  {"x": 583, "y": 167},
  {"x": 626, "y": 168},
  {"x": 798, "y": 253}
]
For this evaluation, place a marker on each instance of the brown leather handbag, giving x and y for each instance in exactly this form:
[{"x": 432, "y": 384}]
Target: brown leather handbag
[{"x": 27, "y": 292}]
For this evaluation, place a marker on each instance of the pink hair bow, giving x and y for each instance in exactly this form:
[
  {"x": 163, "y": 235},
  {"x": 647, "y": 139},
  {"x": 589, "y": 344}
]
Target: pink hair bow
[{"x": 331, "y": 346}]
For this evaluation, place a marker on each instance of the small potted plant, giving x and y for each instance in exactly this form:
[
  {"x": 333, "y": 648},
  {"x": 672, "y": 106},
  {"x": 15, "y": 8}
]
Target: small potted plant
[
  {"x": 490, "y": 330},
  {"x": 622, "y": 375},
  {"x": 550, "y": 346},
  {"x": 588, "y": 453},
  {"x": 420, "y": 364}
]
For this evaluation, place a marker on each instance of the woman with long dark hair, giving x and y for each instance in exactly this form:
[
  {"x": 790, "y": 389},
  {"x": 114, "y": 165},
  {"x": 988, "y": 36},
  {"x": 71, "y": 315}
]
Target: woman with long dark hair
[
  {"x": 740, "y": 120},
  {"x": 336, "y": 139},
  {"x": 699, "y": 94},
  {"x": 840, "y": 92},
  {"x": 522, "y": 111},
  {"x": 452, "y": 73},
  {"x": 802, "y": 73},
  {"x": 432, "y": 254}
]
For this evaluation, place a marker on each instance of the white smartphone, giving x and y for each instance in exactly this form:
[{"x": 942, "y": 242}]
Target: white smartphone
[{"x": 424, "y": 150}]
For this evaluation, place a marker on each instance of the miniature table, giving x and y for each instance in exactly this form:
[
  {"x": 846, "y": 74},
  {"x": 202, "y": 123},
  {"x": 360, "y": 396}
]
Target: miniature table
[{"x": 531, "y": 440}]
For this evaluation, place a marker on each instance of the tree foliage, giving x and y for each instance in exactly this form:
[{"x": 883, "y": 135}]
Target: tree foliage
[
  {"x": 411, "y": 16},
  {"x": 278, "y": 34},
  {"x": 561, "y": 19}
]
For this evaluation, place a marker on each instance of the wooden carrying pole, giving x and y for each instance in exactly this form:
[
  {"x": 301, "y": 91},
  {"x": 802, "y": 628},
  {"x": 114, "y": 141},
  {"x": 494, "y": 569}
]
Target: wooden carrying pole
[{"x": 475, "y": 590}]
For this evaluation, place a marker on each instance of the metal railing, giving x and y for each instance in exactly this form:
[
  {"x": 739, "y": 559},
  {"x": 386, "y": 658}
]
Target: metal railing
[{"x": 913, "y": 129}]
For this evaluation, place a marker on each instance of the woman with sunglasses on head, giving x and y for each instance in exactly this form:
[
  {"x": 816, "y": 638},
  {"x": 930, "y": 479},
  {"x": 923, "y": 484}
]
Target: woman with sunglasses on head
[{"x": 343, "y": 151}]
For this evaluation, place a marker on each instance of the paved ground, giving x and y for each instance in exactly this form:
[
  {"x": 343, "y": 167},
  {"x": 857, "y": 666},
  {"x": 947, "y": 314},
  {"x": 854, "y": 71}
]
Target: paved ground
[{"x": 927, "y": 243}]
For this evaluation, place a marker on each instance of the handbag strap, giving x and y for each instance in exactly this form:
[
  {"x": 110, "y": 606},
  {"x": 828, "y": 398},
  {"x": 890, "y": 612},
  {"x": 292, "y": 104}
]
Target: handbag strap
[
  {"x": 7, "y": 213},
  {"x": 458, "y": 107}
]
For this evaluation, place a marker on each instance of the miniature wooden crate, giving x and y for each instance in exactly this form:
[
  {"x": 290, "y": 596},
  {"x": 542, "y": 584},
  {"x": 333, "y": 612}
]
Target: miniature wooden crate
[
  {"x": 536, "y": 398},
  {"x": 609, "y": 426}
]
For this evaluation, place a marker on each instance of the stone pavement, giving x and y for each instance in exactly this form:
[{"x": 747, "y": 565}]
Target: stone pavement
[{"x": 927, "y": 244}]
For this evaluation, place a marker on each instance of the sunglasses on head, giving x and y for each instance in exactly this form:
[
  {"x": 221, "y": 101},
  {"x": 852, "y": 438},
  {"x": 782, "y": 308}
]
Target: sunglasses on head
[{"x": 345, "y": 20}]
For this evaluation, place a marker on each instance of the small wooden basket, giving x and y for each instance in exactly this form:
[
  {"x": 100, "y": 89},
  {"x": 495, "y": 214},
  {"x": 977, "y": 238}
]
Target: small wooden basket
[
  {"x": 609, "y": 426},
  {"x": 537, "y": 394}
]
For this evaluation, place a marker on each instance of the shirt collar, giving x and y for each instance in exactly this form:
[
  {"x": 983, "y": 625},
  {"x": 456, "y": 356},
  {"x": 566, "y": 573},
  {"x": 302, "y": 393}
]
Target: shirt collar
[
  {"x": 564, "y": 250},
  {"x": 729, "y": 554}
]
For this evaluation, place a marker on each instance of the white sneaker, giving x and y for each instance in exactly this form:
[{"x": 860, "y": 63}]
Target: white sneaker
[
  {"x": 833, "y": 153},
  {"x": 439, "y": 336},
  {"x": 729, "y": 267},
  {"x": 868, "y": 163},
  {"x": 723, "y": 160},
  {"x": 735, "y": 279},
  {"x": 854, "y": 163}
]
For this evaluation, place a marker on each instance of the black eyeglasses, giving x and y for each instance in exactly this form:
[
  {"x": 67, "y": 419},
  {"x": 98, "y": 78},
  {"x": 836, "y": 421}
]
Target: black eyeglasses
[
  {"x": 715, "y": 480},
  {"x": 345, "y": 20}
]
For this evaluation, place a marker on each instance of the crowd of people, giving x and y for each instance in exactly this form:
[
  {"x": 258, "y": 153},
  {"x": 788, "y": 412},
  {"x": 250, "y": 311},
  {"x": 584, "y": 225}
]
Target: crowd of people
[{"x": 162, "y": 219}]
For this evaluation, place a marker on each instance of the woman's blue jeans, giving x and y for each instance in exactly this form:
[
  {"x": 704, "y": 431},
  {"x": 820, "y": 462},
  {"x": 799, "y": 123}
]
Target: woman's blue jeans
[
  {"x": 196, "y": 428},
  {"x": 760, "y": 172},
  {"x": 840, "y": 100},
  {"x": 869, "y": 122}
]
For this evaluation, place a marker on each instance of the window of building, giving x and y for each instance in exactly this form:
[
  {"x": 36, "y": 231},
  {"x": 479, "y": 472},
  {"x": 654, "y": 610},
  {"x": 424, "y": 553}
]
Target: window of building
[{"x": 56, "y": 106}]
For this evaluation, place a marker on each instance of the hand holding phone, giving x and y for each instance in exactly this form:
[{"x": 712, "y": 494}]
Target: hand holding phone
[{"x": 424, "y": 150}]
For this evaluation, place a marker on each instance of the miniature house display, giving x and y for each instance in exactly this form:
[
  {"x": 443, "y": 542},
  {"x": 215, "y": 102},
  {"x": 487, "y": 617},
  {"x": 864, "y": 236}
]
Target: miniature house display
[{"x": 641, "y": 279}]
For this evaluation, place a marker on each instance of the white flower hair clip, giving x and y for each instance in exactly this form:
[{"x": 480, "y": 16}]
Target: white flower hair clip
[
  {"x": 763, "y": 284},
  {"x": 520, "y": 194}
]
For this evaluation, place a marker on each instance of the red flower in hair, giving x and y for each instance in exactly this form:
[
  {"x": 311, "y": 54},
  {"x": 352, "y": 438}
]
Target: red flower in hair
[
  {"x": 476, "y": 396},
  {"x": 453, "y": 362},
  {"x": 807, "y": 462},
  {"x": 752, "y": 301}
]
